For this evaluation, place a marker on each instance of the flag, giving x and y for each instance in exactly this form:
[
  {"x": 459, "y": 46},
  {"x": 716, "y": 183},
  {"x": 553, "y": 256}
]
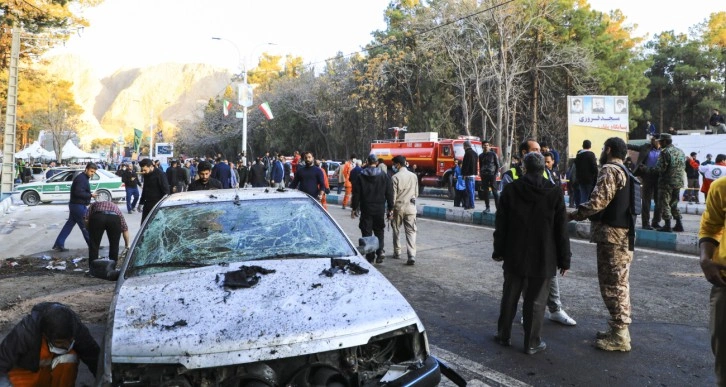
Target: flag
[
  {"x": 226, "y": 107},
  {"x": 265, "y": 108},
  {"x": 137, "y": 139}
]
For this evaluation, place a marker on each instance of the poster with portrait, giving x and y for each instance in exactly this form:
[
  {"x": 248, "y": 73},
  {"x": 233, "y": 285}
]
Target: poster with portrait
[{"x": 595, "y": 118}]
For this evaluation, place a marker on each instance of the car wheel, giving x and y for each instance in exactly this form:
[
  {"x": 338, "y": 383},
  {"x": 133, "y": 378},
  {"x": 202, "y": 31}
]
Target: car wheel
[
  {"x": 31, "y": 198},
  {"x": 103, "y": 196}
]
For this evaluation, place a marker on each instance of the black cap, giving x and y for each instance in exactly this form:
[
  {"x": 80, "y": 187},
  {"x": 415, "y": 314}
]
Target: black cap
[{"x": 372, "y": 159}]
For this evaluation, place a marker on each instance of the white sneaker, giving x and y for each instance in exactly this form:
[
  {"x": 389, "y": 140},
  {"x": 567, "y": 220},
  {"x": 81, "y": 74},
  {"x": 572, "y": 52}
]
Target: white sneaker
[{"x": 562, "y": 318}]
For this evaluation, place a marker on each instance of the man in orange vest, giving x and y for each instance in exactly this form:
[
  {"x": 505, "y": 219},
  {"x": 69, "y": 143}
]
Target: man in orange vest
[{"x": 348, "y": 185}]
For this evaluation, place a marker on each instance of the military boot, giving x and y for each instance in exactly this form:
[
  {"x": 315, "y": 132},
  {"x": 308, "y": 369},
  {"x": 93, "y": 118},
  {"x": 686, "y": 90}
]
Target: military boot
[
  {"x": 604, "y": 334},
  {"x": 619, "y": 340},
  {"x": 666, "y": 227},
  {"x": 679, "y": 226}
]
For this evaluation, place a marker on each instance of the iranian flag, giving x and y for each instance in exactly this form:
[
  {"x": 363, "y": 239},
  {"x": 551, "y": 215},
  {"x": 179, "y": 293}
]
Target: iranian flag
[
  {"x": 226, "y": 106},
  {"x": 265, "y": 108}
]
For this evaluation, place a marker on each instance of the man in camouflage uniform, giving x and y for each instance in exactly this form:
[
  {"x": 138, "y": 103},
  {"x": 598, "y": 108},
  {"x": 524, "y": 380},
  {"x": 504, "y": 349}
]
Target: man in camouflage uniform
[
  {"x": 671, "y": 168},
  {"x": 614, "y": 255}
]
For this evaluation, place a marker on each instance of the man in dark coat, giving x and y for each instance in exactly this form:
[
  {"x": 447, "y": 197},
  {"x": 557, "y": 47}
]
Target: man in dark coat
[
  {"x": 174, "y": 177},
  {"x": 221, "y": 172},
  {"x": 43, "y": 349},
  {"x": 257, "y": 174},
  {"x": 469, "y": 171},
  {"x": 80, "y": 199},
  {"x": 309, "y": 178},
  {"x": 156, "y": 186},
  {"x": 586, "y": 169},
  {"x": 205, "y": 181},
  {"x": 531, "y": 237},
  {"x": 372, "y": 194}
]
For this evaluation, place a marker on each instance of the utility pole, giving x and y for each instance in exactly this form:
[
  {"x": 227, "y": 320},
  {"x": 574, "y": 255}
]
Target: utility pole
[{"x": 7, "y": 174}]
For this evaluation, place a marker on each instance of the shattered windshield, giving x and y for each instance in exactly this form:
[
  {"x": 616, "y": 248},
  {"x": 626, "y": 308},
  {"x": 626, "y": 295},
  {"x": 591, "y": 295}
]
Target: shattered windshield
[{"x": 199, "y": 234}]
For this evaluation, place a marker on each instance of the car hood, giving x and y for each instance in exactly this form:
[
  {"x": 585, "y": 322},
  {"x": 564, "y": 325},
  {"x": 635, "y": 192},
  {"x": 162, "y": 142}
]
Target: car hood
[{"x": 187, "y": 317}]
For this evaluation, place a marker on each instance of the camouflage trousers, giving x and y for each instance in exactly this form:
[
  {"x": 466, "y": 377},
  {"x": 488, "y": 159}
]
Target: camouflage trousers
[
  {"x": 668, "y": 202},
  {"x": 613, "y": 271}
]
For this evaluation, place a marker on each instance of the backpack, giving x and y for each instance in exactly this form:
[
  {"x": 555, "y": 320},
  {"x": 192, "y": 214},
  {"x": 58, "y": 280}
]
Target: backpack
[{"x": 636, "y": 204}]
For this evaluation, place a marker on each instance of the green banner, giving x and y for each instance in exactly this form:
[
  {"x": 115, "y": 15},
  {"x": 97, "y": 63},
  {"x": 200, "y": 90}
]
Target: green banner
[{"x": 137, "y": 139}]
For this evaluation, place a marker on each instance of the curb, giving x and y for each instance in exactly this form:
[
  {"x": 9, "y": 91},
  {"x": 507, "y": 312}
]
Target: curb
[{"x": 678, "y": 242}]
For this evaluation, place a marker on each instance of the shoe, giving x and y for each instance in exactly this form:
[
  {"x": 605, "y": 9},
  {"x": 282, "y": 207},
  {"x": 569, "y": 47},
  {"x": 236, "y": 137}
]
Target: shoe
[
  {"x": 646, "y": 227},
  {"x": 502, "y": 341},
  {"x": 619, "y": 340},
  {"x": 380, "y": 258},
  {"x": 411, "y": 261},
  {"x": 655, "y": 225},
  {"x": 343, "y": 207},
  {"x": 666, "y": 227},
  {"x": 561, "y": 317},
  {"x": 679, "y": 226},
  {"x": 59, "y": 248},
  {"x": 486, "y": 210},
  {"x": 604, "y": 334},
  {"x": 532, "y": 350},
  {"x": 131, "y": 211}
]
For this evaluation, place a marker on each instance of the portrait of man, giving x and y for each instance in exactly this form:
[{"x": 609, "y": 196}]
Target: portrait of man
[
  {"x": 598, "y": 105},
  {"x": 576, "y": 106},
  {"x": 620, "y": 106}
]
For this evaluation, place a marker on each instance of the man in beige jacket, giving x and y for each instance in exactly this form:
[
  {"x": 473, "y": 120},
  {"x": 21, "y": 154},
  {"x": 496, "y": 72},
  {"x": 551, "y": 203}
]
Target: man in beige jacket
[{"x": 405, "y": 190}]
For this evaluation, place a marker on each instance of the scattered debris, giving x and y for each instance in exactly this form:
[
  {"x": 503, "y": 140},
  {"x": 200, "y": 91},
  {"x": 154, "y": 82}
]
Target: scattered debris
[
  {"x": 180, "y": 323},
  {"x": 339, "y": 265},
  {"x": 245, "y": 277},
  {"x": 59, "y": 265},
  {"x": 78, "y": 260},
  {"x": 45, "y": 257},
  {"x": 316, "y": 286}
]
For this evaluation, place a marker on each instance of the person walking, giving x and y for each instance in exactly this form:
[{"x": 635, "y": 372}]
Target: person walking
[
  {"x": 586, "y": 169},
  {"x": 372, "y": 194},
  {"x": 671, "y": 168},
  {"x": 348, "y": 185},
  {"x": 531, "y": 239},
  {"x": 648, "y": 155},
  {"x": 106, "y": 217},
  {"x": 469, "y": 170},
  {"x": 692, "y": 165},
  {"x": 46, "y": 347},
  {"x": 131, "y": 182},
  {"x": 405, "y": 191},
  {"x": 222, "y": 172},
  {"x": 278, "y": 173},
  {"x": 488, "y": 171},
  {"x": 712, "y": 248},
  {"x": 156, "y": 186},
  {"x": 309, "y": 178},
  {"x": 612, "y": 231},
  {"x": 80, "y": 199}
]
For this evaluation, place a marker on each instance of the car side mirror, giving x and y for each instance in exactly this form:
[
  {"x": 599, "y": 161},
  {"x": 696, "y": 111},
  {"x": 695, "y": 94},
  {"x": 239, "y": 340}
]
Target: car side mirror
[
  {"x": 104, "y": 269},
  {"x": 367, "y": 245}
]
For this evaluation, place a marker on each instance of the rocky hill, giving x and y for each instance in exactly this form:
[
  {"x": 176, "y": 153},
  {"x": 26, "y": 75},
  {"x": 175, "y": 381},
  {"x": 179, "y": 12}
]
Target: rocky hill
[{"x": 137, "y": 97}]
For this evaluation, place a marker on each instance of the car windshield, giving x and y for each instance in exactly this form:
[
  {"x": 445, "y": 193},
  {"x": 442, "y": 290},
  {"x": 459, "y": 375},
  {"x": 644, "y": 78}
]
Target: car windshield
[
  {"x": 198, "y": 234},
  {"x": 61, "y": 176},
  {"x": 459, "y": 150}
]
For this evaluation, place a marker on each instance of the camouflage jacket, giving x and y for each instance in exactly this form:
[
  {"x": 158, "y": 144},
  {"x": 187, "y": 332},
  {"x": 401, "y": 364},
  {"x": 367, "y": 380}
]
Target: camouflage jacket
[
  {"x": 610, "y": 180},
  {"x": 671, "y": 167}
]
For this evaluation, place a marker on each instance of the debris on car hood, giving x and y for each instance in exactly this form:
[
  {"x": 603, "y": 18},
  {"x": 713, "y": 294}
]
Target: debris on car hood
[
  {"x": 339, "y": 265},
  {"x": 245, "y": 277},
  {"x": 293, "y": 312}
]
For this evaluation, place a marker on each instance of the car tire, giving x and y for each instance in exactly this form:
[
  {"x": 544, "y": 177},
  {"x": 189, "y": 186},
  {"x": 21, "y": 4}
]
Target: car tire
[
  {"x": 31, "y": 198},
  {"x": 103, "y": 196}
]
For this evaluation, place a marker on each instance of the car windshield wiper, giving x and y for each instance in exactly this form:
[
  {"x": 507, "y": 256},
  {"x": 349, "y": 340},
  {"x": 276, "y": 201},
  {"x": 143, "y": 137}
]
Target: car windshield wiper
[
  {"x": 294, "y": 255},
  {"x": 169, "y": 264}
]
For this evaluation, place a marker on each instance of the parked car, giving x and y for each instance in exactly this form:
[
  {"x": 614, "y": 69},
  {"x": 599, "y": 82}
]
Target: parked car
[
  {"x": 332, "y": 176},
  {"x": 104, "y": 183},
  {"x": 40, "y": 173},
  {"x": 256, "y": 288}
]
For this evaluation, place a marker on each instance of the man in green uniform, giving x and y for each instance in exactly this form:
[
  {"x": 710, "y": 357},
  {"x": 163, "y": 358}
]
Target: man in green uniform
[{"x": 671, "y": 169}]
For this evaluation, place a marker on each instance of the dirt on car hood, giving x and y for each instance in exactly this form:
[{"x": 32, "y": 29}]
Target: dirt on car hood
[{"x": 188, "y": 317}]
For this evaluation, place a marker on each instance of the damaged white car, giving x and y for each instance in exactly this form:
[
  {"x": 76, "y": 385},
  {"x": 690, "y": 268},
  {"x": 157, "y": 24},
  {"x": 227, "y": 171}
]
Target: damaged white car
[{"x": 256, "y": 288}]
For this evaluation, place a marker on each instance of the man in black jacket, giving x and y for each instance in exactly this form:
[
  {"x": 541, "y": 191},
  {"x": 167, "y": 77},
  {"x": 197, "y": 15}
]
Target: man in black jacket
[
  {"x": 156, "y": 186},
  {"x": 468, "y": 170},
  {"x": 205, "y": 181},
  {"x": 80, "y": 199},
  {"x": 131, "y": 182},
  {"x": 43, "y": 349},
  {"x": 257, "y": 174},
  {"x": 488, "y": 170},
  {"x": 372, "y": 194},
  {"x": 531, "y": 237},
  {"x": 586, "y": 169},
  {"x": 647, "y": 159}
]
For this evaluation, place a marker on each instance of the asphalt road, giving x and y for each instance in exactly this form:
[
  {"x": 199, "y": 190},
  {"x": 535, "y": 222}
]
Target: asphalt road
[{"x": 455, "y": 288}]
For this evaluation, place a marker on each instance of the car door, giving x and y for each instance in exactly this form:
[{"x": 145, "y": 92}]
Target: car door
[
  {"x": 95, "y": 182},
  {"x": 57, "y": 187}
]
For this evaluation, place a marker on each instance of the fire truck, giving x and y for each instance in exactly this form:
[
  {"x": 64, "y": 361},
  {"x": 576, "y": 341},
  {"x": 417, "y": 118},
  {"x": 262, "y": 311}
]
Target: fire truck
[{"x": 429, "y": 156}]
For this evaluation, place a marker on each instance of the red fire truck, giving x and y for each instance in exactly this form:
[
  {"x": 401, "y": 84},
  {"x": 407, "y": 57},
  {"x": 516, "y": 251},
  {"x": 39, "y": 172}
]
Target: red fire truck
[{"x": 432, "y": 157}]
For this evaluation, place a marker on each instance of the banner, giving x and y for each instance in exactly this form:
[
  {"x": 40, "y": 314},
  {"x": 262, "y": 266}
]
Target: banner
[
  {"x": 137, "y": 139},
  {"x": 596, "y": 118},
  {"x": 265, "y": 108}
]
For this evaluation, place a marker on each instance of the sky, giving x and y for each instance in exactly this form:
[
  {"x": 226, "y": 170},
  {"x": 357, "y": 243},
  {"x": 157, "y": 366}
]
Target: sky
[{"x": 134, "y": 33}]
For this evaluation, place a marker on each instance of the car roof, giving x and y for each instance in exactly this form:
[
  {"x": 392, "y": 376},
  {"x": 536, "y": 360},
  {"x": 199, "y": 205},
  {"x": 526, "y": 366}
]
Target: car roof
[{"x": 221, "y": 195}]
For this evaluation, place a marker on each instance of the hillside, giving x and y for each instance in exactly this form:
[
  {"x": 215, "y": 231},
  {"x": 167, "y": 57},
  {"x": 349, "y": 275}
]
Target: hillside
[{"x": 133, "y": 98}]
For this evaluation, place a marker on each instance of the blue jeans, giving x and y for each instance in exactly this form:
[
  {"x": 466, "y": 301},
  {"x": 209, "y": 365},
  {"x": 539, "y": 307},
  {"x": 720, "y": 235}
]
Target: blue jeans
[
  {"x": 77, "y": 212},
  {"x": 131, "y": 192},
  {"x": 470, "y": 189},
  {"x": 585, "y": 191}
]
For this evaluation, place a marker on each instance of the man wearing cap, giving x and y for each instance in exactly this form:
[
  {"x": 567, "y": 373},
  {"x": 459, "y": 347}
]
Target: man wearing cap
[
  {"x": 469, "y": 171},
  {"x": 648, "y": 155},
  {"x": 671, "y": 168},
  {"x": 80, "y": 198},
  {"x": 45, "y": 347},
  {"x": 405, "y": 191},
  {"x": 372, "y": 194}
]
